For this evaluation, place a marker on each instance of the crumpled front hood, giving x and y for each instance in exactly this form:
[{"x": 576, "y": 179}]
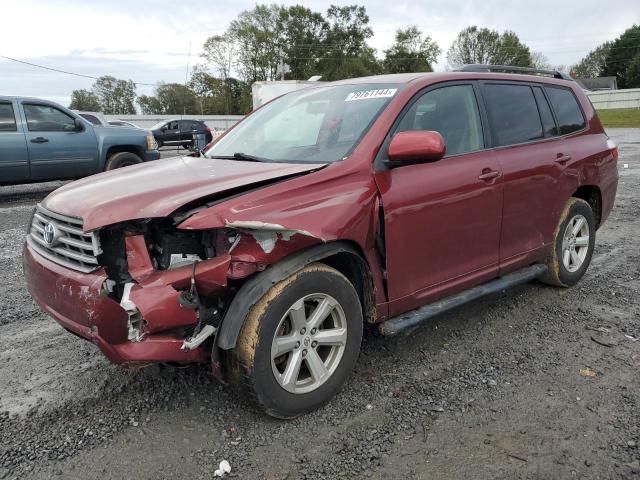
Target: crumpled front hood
[{"x": 156, "y": 189}]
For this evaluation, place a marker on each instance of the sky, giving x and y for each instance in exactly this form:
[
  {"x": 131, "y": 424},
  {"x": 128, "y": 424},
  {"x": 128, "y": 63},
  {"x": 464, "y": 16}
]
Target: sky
[{"x": 152, "y": 41}]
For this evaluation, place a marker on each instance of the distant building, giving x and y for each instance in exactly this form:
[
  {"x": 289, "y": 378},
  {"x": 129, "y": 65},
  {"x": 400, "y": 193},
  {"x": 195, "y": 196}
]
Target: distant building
[{"x": 598, "y": 83}]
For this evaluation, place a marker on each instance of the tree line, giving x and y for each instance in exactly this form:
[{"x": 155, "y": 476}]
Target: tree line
[{"x": 271, "y": 42}]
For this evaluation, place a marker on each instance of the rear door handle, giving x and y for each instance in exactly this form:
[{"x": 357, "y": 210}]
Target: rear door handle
[
  {"x": 488, "y": 174},
  {"x": 562, "y": 158},
  {"x": 39, "y": 140}
]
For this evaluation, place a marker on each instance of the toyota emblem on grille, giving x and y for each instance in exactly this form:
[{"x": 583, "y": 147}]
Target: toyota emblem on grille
[{"x": 50, "y": 234}]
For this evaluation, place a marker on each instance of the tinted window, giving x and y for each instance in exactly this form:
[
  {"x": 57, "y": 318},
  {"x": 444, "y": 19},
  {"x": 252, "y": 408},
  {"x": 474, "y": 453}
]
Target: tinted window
[
  {"x": 45, "y": 118},
  {"x": 94, "y": 120},
  {"x": 7, "y": 118},
  {"x": 451, "y": 111},
  {"x": 567, "y": 111},
  {"x": 172, "y": 125},
  {"x": 513, "y": 113},
  {"x": 548, "y": 123}
]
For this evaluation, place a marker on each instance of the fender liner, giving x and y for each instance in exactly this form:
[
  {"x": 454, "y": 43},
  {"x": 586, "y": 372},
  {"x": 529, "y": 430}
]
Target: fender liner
[{"x": 255, "y": 287}]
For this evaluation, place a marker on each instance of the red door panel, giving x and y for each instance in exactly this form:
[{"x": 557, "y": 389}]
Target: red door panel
[{"x": 441, "y": 222}]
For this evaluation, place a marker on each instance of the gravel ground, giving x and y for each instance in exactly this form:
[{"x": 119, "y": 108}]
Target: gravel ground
[{"x": 512, "y": 386}]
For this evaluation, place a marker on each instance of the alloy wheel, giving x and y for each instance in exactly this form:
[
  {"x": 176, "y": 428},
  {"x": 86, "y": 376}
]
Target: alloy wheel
[{"x": 309, "y": 343}]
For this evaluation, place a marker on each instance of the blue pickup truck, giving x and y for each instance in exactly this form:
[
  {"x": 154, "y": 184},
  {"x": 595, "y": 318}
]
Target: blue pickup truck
[{"x": 41, "y": 140}]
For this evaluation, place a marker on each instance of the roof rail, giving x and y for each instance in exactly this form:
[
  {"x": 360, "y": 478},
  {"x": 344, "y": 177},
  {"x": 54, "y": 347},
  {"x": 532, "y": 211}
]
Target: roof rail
[{"x": 479, "y": 67}]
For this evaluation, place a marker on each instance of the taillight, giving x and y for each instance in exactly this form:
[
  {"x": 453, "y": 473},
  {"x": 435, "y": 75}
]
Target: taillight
[{"x": 613, "y": 148}]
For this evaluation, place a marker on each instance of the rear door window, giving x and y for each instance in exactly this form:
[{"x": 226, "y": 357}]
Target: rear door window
[
  {"x": 548, "y": 123},
  {"x": 451, "y": 111},
  {"x": 46, "y": 118},
  {"x": 567, "y": 110},
  {"x": 7, "y": 118},
  {"x": 513, "y": 114}
]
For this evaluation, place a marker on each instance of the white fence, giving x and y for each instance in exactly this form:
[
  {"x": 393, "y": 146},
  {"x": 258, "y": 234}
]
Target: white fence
[
  {"x": 217, "y": 122},
  {"x": 606, "y": 99}
]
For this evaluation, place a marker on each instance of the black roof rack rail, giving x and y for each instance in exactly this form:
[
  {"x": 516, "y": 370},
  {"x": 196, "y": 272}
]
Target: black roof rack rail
[{"x": 479, "y": 67}]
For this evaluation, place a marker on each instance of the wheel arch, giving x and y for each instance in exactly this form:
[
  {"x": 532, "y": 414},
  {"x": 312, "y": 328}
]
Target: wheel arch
[
  {"x": 135, "y": 149},
  {"x": 344, "y": 256},
  {"x": 593, "y": 196}
]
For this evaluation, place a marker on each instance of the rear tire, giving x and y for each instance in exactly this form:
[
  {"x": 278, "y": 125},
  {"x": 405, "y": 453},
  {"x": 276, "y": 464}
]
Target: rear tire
[
  {"x": 300, "y": 342},
  {"x": 573, "y": 243},
  {"x": 122, "y": 159}
]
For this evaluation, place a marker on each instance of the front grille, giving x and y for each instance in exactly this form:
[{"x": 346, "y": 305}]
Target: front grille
[{"x": 60, "y": 238}]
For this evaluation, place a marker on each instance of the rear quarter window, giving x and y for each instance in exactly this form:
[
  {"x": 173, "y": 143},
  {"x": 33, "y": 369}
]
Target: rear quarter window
[
  {"x": 567, "y": 110},
  {"x": 7, "y": 118},
  {"x": 513, "y": 113}
]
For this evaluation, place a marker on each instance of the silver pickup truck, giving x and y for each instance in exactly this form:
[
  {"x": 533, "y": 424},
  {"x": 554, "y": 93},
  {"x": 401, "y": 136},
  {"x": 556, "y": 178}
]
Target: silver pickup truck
[{"x": 41, "y": 140}]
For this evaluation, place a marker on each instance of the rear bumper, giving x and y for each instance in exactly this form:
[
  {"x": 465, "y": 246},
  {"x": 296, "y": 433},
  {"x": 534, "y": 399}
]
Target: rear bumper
[{"x": 78, "y": 303}]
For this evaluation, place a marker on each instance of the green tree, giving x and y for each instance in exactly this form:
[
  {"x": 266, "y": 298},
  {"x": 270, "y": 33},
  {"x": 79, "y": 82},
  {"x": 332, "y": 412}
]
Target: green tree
[
  {"x": 258, "y": 34},
  {"x": 303, "y": 35},
  {"x": 481, "y": 45},
  {"x": 621, "y": 55},
  {"x": 115, "y": 96},
  {"x": 170, "y": 99},
  {"x": 593, "y": 63},
  {"x": 346, "y": 52},
  {"x": 84, "y": 100},
  {"x": 217, "y": 96},
  {"x": 220, "y": 51},
  {"x": 411, "y": 52},
  {"x": 633, "y": 73}
]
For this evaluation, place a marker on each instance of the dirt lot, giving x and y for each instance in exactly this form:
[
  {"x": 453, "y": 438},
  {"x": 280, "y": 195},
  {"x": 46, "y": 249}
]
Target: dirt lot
[{"x": 513, "y": 386}]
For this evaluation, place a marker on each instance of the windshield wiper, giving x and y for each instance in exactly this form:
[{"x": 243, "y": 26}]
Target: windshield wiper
[{"x": 242, "y": 156}]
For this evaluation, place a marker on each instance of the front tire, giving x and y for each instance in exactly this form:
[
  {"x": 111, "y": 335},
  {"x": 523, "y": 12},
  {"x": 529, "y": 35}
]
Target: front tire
[
  {"x": 573, "y": 243},
  {"x": 300, "y": 342},
  {"x": 122, "y": 159}
]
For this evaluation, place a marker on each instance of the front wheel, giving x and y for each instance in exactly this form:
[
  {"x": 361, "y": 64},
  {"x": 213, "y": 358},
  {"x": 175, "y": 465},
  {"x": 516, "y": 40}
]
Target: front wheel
[
  {"x": 300, "y": 342},
  {"x": 573, "y": 243},
  {"x": 122, "y": 159}
]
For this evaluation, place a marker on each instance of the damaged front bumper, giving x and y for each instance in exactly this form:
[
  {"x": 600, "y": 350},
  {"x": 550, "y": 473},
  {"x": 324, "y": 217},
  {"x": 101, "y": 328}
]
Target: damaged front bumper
[{"x": 81, "y": 304}]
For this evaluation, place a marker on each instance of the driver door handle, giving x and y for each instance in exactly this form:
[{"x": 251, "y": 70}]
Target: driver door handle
[
  {"x": 488, "y": 174},
  {"x": 39, "y": 140},
  {"x": 562, "y": 158}
]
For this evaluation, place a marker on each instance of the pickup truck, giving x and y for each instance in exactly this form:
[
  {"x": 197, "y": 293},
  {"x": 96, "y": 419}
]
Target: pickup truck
[{"x": 41, "y": 140}]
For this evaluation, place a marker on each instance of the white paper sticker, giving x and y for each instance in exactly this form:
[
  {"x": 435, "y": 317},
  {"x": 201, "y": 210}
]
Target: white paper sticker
[{"x": 368, "y": 94}]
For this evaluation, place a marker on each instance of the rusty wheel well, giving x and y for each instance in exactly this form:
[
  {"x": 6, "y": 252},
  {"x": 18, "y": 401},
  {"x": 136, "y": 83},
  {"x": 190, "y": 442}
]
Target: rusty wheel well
[
  {"x": 357, "y": 271},
  {"x": 591, "y": 194}
]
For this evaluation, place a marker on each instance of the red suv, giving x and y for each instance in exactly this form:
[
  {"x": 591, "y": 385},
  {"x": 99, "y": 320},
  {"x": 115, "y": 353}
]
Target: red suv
[{"x": 381, "y": 200}]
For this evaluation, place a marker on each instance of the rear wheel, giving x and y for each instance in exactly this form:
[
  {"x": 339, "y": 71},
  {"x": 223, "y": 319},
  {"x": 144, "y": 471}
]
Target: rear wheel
[
  {"x": 300, "y": 342},
  {"x": 122, "y": 159},
  {"x": 573, "y": 243}
]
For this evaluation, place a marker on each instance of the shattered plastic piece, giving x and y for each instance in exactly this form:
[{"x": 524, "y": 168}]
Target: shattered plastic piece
[
  {"x": 196, "y": 341},
  {"x": 223, "y": 469},
  {"x": 587, "y": 372}
]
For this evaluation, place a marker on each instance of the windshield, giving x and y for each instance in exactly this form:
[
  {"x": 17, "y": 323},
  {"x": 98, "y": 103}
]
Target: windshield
[{"x": 314, "y": 125}]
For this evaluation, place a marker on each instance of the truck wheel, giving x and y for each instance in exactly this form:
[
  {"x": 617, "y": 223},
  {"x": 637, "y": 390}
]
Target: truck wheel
[
  {"x": 300, "y": 342},
  {"x": 122, "y": 159},
  {"x": 573, "y": 243}
]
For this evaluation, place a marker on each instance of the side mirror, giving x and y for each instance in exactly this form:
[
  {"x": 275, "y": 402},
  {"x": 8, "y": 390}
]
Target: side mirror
[
  {"x": 415, "y": 146},
  {"x": 78, "y": 124}
]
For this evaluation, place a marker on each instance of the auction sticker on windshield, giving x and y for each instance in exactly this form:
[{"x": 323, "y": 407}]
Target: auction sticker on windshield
[{"x": 368, "y": 94}]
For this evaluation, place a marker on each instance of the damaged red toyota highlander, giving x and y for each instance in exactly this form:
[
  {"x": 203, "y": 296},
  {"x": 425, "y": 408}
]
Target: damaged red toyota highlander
[{"x": 382, "y": 200}]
